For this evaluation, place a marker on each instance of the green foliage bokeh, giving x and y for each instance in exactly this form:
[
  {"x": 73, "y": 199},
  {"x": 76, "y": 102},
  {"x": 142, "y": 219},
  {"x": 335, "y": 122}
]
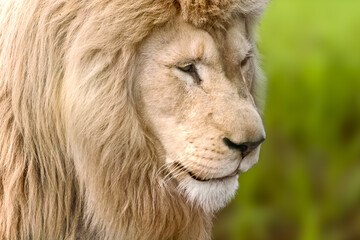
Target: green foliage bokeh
[{"x": 306, "y": 185}]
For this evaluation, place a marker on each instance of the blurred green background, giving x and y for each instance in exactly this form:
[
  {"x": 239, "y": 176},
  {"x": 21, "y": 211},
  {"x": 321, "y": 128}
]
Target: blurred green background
[{"x": 306, "y": 185}]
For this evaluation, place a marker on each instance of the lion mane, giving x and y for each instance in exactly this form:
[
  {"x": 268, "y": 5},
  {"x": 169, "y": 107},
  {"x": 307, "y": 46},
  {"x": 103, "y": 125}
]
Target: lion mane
[{"x": 76, "y": 160}]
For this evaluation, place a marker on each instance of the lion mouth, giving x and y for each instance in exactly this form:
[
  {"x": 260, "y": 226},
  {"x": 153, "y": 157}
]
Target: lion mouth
[{"x": 180, "y": 167}]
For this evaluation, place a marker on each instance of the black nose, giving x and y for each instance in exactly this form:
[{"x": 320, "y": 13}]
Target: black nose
[{"x": 244, "y": 148}]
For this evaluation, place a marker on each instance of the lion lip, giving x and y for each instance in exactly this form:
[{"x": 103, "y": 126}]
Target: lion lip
[{"x": 193, "y": 176}]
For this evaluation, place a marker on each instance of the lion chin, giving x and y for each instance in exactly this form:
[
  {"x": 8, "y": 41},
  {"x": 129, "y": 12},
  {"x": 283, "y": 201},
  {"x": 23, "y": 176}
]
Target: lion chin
[
  {"x": 211, "y": 194},
  {"x": 125, "y": 119}
]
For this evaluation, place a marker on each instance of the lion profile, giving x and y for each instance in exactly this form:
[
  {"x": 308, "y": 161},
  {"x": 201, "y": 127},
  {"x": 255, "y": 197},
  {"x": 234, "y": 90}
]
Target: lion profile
[{"x": 124, "y": 119}]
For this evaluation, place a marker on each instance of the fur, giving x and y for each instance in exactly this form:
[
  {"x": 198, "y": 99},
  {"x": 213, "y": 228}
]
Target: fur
[{"x": 76, "y": 161}]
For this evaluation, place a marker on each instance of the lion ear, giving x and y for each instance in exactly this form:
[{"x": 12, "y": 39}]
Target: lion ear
[{"x": 214, "y": 12}]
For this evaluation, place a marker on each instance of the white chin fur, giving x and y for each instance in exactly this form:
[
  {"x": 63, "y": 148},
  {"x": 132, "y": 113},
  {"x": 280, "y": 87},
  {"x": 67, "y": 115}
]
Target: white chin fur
[{"x": 210, "y": 195}]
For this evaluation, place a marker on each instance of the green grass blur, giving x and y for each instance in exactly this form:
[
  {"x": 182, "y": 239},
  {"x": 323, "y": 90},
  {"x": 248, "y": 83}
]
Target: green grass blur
[{"x": 306, "y": 185}]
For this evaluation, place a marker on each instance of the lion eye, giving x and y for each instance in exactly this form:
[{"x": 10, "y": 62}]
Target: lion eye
[
  {"x": 245, "y": 61},
  {"x": 189, "y": 68}
]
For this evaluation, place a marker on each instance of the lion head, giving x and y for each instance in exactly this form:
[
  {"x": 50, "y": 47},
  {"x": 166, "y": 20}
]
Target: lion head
[
  {"x": 195, "y": 93},
  {"x": 125, "y": 119}
]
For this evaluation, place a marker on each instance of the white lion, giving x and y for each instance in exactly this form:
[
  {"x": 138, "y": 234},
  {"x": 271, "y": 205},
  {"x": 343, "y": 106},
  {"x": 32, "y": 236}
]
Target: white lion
[{"x": 124, "y": 119}]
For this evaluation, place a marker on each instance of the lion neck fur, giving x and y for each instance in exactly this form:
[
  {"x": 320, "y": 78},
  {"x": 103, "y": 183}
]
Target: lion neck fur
[{"x": 65, "y": 172}]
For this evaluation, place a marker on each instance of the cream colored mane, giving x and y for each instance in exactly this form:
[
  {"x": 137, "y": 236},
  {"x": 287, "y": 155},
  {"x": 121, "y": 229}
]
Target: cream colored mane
[{"x": 76, "y": 160}]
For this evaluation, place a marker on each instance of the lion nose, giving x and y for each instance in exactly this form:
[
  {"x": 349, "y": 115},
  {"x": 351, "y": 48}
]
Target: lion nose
[{"x": 245, "y": 148}]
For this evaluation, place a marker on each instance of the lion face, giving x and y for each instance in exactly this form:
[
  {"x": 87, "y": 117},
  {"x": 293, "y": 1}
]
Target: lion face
[{"x": 196, "y": 90}]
